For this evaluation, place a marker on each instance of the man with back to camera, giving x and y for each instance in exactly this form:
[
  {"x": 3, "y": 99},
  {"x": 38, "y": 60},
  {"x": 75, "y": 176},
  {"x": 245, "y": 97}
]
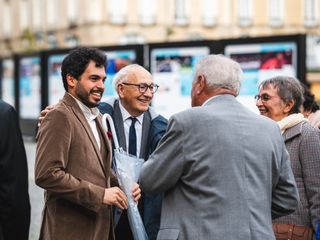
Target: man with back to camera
[
  {"x": 224, "y": 170},
  {"x": 135, "y": 88},
  {"x": 73, "y": 158},
  {"x": 14, "y": 196}
]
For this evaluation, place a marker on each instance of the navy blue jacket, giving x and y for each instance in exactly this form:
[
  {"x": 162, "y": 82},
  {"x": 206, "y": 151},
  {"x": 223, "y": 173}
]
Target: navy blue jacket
[{"x": 153, "y": 128}]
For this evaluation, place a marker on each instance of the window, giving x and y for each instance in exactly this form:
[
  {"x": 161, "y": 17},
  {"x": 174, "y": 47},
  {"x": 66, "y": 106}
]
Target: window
[
  {"x": 37, "y": 9},
  {"x": 24, "y": 15},
  {"x": 276, "y": 13},
  {"x": 181, "y": 16},
  {"x": 6, "y": 23},
  {"x": 72, "y": 11},
  {"x": 117, "y": 11},
  {"x": 52, "y": 14},
  {"x": 93, "y": 11},
  {"x": 311, "y": 9},
  {"x": 147, "y": 12},
  {"x": 245, "y": 13},
  {"x": 209, "y": 12}
]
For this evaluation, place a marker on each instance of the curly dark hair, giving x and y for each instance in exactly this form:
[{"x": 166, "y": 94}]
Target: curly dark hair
[
  {"x": 76, "y": 62},
  {"x": 309, "y": 103}
]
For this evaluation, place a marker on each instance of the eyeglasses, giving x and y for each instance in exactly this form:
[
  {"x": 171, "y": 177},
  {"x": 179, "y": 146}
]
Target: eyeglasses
[
  {"x": 143, "y": 87},
  {"x": 264, "y": 97}
]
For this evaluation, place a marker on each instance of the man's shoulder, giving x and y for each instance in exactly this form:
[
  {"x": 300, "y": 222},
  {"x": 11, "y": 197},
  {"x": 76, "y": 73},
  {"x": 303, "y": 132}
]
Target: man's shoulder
[
  {"x": 107, "y": 106},
  {"x": 60, "y": 111},
  {"x": 5, "y": 107}
]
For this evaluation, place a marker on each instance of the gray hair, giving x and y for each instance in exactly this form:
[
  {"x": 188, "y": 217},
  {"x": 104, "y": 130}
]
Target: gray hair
[
  {"x": 220, "y": 72},
  {"x": 122, "y": 75},
  {"x": 288, "y": 89}
]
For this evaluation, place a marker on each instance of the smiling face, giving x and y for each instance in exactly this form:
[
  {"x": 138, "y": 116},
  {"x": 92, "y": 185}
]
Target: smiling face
[
  {"x": 135, "y": 102},
  {"x": 271, "y": 105},
  {"x": 90, "y": 86}
]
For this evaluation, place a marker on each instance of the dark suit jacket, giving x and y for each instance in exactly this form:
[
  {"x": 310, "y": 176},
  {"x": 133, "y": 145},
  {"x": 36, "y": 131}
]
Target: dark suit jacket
[
  {"x": 14, "y": 197},
  {"x": 153, "y": 128},
  {"x": 74, "y": 172}
]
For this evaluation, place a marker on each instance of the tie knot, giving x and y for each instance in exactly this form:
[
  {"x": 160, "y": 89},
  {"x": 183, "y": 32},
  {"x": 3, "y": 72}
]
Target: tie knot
[{"x": 133, "y": 120}]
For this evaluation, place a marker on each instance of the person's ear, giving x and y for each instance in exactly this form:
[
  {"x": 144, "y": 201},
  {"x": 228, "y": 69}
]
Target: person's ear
[
  {"x": 200, "y": 84},
  {"x": 71, "y": 81},
  {"x": 120, "y": 90},
  {"x": 288, "y": 106}
]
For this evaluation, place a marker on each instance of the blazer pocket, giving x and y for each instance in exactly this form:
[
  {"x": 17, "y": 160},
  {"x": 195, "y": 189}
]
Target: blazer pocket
[{"x": 168, "y": 234}]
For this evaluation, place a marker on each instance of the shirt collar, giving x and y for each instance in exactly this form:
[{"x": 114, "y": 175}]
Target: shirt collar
[
  {"x": 126, "y": 115},
  {"x": 89, "y": 113}
]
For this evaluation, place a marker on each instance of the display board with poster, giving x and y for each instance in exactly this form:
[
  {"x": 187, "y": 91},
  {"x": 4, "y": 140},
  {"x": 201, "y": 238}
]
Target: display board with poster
[
  {"x": 116, "y": 60},
  {"x": 29, "y": 87},
  {"x": 7, "y": 81},
  {"x": 261, "y": 59},
  {"x": 173, "y": 69},
  {"x": 55, "y": 84}
]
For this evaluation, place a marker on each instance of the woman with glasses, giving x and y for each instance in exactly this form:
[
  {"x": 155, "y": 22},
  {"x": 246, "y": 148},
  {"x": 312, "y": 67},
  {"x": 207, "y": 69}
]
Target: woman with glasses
[{"x": 280, "y": 99}]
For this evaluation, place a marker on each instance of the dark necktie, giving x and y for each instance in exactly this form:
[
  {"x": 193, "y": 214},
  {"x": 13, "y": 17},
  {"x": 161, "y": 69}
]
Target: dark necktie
[{"x": 132, "y": 137}]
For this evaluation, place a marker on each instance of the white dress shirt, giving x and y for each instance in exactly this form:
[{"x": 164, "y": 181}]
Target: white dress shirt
[
  {"x": 127, "y": 123},
  {"x": 90, "y": 114}
]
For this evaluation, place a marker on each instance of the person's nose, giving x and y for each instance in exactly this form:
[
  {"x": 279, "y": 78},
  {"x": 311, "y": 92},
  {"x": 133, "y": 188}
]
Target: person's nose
[
  {"x": 100, "y": 84},
  {"x": 148, "y": 93},
  {"x": 259, "y": 102}
]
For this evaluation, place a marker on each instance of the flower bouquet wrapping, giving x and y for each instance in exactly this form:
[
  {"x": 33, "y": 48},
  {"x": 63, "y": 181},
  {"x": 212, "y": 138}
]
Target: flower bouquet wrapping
[{"x": 128, "y": 170}]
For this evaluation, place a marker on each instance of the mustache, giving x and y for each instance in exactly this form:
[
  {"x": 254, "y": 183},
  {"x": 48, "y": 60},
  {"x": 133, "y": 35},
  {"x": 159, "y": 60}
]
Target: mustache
[{"x": 97, "y": 90}]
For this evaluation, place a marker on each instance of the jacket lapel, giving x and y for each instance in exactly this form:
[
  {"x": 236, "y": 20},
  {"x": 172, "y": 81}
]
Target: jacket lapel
[
  {"x": 107, "y": 144},
  {"x": 118, "y": 122},
  {"x": 145, "y": 134},
  {"x": 83, "y": 121}
]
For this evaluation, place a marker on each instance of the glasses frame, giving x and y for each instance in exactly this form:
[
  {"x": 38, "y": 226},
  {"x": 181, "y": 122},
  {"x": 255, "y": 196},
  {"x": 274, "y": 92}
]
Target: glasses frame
[
  {"x": 263, "y": 97},
  {"x": 143, "y": 87}
]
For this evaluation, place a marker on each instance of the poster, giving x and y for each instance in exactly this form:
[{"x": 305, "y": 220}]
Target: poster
[
  {"x": 30, "y": 87},
  {"x": 173, "y": 70}
]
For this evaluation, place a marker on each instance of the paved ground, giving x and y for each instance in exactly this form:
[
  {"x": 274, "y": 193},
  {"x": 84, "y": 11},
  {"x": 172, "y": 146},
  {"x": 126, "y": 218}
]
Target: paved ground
[{"x": 36, "y": 193}]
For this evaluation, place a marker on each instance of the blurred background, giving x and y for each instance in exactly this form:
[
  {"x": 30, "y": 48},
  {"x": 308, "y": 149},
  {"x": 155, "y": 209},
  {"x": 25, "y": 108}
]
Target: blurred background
[{"x": 267, "y": 37}]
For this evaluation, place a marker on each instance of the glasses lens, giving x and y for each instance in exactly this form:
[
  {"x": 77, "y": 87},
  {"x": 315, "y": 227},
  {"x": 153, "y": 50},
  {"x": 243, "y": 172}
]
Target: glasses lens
[
  {"x": 265, "y": 97},
  {"x": 155, "y": 88},
  {"x": 143, "y": 88},
  {"x": 152, "y": 87}
]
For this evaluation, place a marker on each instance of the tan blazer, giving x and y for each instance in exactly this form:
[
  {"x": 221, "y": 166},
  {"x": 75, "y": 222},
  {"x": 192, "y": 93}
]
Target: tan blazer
[{"x": 70, "y": 167}]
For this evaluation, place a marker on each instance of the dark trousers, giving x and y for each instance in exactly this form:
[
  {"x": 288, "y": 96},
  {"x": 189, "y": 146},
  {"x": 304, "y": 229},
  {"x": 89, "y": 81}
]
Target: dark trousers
[{"x": 123, "y": 230}]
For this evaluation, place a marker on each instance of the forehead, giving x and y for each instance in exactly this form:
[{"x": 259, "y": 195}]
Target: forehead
[
  {"x": 138, "y": 75},
  {"x": 93, "y": 70},
  {"x": 269, "y": 88}
]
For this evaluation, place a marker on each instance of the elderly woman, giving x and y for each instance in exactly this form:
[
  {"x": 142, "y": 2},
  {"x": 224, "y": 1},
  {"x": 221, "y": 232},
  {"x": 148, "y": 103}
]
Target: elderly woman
[{"x": 280, "y": 99}]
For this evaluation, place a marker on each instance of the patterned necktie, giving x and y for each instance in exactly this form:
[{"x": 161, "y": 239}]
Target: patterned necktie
[{"x": 132, "y": 137}]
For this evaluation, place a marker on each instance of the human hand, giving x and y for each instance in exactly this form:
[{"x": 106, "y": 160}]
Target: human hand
[
  {"x": 43, "y": 113},
  {"x": 136, "y": 192},
  {"x": 115, "y": 196}
]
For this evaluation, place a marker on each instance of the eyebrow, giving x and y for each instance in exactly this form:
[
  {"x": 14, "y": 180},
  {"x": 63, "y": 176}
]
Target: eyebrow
[{"x": 97, "y": 76}]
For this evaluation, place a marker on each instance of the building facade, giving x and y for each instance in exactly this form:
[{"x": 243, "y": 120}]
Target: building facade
[{"x": 29, "y": 25}]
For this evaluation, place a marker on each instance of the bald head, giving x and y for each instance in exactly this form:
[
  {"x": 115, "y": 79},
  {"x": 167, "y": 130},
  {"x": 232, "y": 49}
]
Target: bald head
[
  {"x": 131, "y": 72},
  {"x": 134, "y": 85}
]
